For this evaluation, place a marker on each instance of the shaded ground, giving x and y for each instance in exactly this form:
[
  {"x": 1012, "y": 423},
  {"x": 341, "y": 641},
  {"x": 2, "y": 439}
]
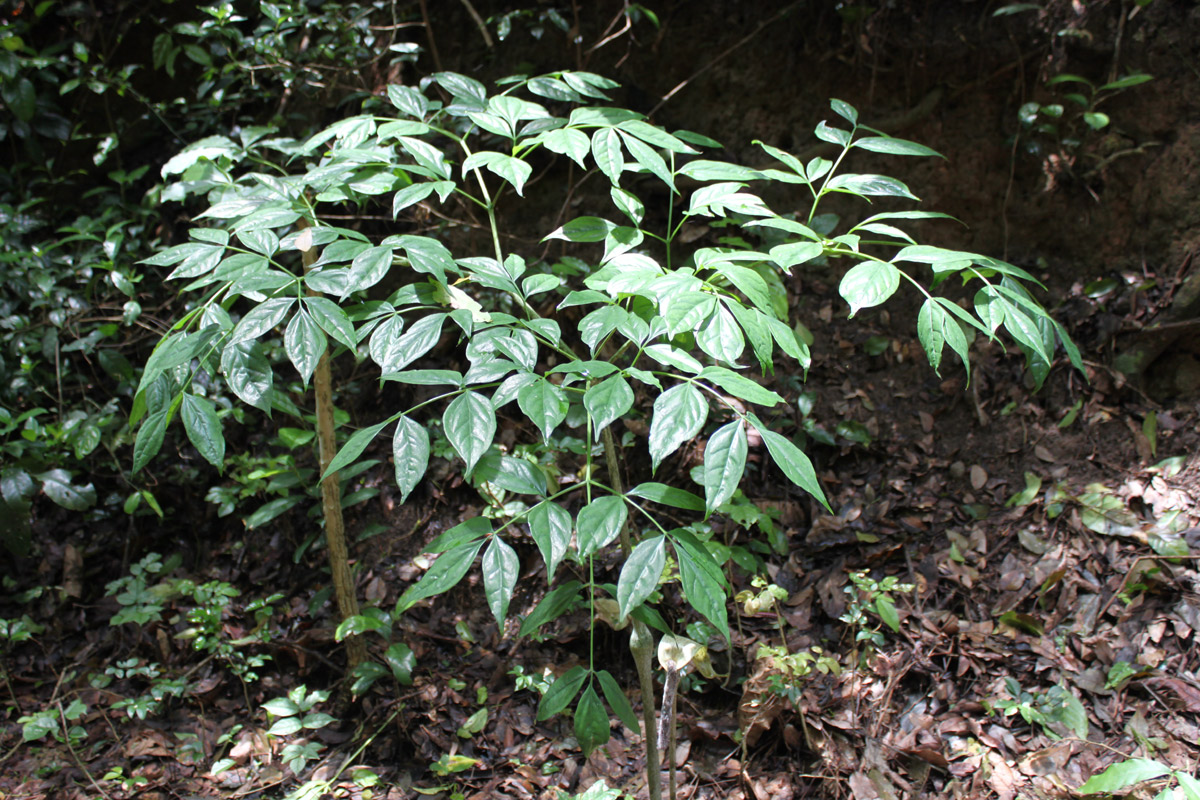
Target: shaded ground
[{"x": 1048, "y": 589}]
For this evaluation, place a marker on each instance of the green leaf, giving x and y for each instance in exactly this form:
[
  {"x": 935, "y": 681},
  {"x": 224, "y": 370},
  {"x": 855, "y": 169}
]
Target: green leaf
[
  {"x": 401, "y": 661},
  {"x": 608, "y": 401},
  {"x": 353, "y": 447},
  {"x": 598, "y": 324},
  {"x": 333, "y": 320},
  {"x": 844, "y": 110},
  {"x": 584, "y": 229},
  {"x": 427, "y": 255},
  {"x": 248, "y": 373},
  {"x": 618, "y": 702},
  {"x": 513, "y": 170},
  {"x": 703, "y": 592},
  {"x": 410, "y": 451},
  {"x": 429, "y": 378},
  {"x": 749, "y": 283},
  {"x": 757, "y": 327},
  {"x": 869, "y": 284},
  {"x": 629, "y": 204},
  {"x": 556, "y": 603},
  {"x": 706, "y": 170},
  {"x": 463, "y": 88},
  {"x": 870, "y": 186},
  {"x": 1189, "y": 785},
  {"x": 149, "y": 438},
  {"x": 444, "y": 575},
  {"x": 934, "y": 327},
  {"x": 724, "y": 463},
  {"x": 470, "y": 425},
  {"x": 674, "y": 357},
  {"x": 473, "y": 724},
  {"x": 740, "y": 386},
  {"x": 667, "y": 496},
  {"x": 679, "y": 414},
  {"x": 649, "y": 159},
  {"x": 550, "y": 526},
  {"x": 260, "y": 319},
  {"x": 470, "y": 530},
  {"x": 511, "y": 474},
  {"x": 722, "y": 337},
  {"x": 304, "y": 343},
  {"x": 886, "y": 609},
  {"x": 606, "y": 150},
  {"x": 368, "y": 269},
  {"x": 569, "y": 142},
  {"x": 989, "y": 305},
  {"x": 561, "y": 692},
  {"x": 1124, "y": 774},
  {"x": 500, "y": 569},
  {"x": 411, "y": 195},
  {"x": 791, "y": 460},
  {"x": 281, "y": 707},
  {"x": 56, "y": 484},
  {"x": 895, "y": 147},
  {"x": 687, "y": 311},
  {"x": 591, "y": 722},
  {"x": 1125, "y": 82},
  {"x": 362, "y": 623},
  {"x": 270, "y": 510},
  {"x": 599, "y": 522},
  {"x": 641, "y": 573},
  {"x": 397, "y": 352},
  {"x": 1073, "y": 714},
  {"x": 544, "y": 404},
  {"x": 204, "y": 429}
]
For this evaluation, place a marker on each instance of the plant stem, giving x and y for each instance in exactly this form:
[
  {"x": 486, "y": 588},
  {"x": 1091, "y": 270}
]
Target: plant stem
[
  {"x": 666, "y": 732},
  {"x": 641, "y": 642},
  {"x": 331, "y": 503}
]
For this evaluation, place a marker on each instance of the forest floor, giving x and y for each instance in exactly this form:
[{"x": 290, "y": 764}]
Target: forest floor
[{"x": 1046, "y": 634}]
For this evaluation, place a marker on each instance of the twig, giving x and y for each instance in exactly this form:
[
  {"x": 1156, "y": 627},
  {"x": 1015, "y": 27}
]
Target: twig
[
  {"x": 433, "y": 51},
  {"x": 487, "y": 37},
  {"x": 615, "y": 35},
  {"x": 721, "y": 56},
  {"x": 1133, "y": 567},
  {"x": 78, "y": 761}
]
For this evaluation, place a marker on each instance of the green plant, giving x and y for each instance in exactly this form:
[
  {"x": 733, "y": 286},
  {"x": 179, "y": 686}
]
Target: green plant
[
  {"x": 1052, "y": 120},
  {"x": 1130, "y": 772},
  {"x": 127, "y": 783},
  {"x": 14, "y": 632},
  {"x": 633, "y": 306},
  {"x": 788, "y": 671},
  {"x": 146, "y": 704},
  {"x": 294, "y": 714},
  {"x": 1055, "y": 708},
  {"x": 55, "y": 722},
  {"x": 398, "y": 658},
  {"x": 1071, "y": 127},
  {"x": 142, "y": 602},
  {"x": 597, "y": 791},
  {"x": 867, "y": 595},
  {"x": 208, "y": 633},
  {"x": 536, "y": 683}
]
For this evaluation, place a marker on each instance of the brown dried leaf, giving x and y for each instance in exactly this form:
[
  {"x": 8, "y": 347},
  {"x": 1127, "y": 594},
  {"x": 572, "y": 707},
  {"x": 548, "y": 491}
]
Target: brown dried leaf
[{"x": 979, "y": 477}]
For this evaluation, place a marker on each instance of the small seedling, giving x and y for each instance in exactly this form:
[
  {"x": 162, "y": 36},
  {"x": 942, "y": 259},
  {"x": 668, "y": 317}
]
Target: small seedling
[{"x": 1056, "y": 706}]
